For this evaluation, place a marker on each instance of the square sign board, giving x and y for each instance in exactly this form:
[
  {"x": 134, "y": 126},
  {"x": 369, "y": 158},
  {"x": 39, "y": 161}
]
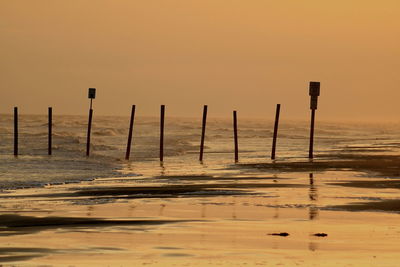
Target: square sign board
[
  {"x": 314, "y": 88},
  {"x": 92, "y": 93}
]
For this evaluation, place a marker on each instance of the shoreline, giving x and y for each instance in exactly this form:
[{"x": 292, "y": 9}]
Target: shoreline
[{"x": 232, "y": 219}]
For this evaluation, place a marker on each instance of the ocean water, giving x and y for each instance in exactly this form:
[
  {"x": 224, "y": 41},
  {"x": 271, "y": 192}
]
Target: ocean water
[{"x": 33, "y": 167}]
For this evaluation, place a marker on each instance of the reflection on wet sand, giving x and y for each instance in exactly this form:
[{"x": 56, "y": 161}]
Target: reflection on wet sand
[
  {"x": 162, "y": 207},
  {"x": 312, "y": 246},
  {"x": 11, "y": 224},
  {"x": 313, "y": 209},
  {"x": 90, "y": 210},
  {"x": 313, "y": 195},
  {"x": 234, "y": 216},
  {"x": 203, "y": 210},
  {"x": 162, "y": 168}
]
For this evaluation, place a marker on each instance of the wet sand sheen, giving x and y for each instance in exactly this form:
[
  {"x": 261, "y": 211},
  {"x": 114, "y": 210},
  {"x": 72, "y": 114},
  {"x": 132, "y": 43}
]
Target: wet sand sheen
[
  {"x": 377, "y": 165},
  {"x": 203, "y": 220}
]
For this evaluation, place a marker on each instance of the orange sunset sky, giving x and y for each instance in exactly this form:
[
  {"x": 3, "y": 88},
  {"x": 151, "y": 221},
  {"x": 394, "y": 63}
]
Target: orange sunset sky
[{"x": 230, "y": 54}]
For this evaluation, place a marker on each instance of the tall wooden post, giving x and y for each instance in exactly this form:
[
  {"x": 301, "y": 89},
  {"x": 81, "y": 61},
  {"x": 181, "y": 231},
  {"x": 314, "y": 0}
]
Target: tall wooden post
[
  {"x": 89, "y": 130},
  {"x": 203, "y": 132},
  {"x": 128, "y": 147},
  {"x": 162, "y": 117},
  {"x": 278, "y": 108},
  {"x": 92, "y": 95},
  {"x": 50, "y": 124},
  {"x": 311, "y": 148},
  {"x": 15, "y": 131},
  {"x": 235, "y": 135},
  {"x": 314, "y": 93}
]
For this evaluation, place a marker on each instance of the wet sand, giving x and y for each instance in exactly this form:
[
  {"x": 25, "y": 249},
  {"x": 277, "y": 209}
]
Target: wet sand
[
  {"x": 337, "y": 212},
  {"x": 374, "y": 165}
]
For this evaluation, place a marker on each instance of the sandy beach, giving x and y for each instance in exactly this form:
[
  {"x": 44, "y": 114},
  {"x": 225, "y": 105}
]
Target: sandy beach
[{"x": 266, "y": 214}]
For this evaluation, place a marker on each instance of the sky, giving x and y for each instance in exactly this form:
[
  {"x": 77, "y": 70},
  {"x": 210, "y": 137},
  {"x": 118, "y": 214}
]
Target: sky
[{"x": 244, "y": 55}]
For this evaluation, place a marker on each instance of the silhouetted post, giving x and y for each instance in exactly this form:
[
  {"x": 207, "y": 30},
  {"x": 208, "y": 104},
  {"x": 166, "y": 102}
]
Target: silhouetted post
[
  {"x": 314, "y": 93},
  {"x": 235, "y": 135},
  {"x": 278, "y": 109},
  {"x": 92, "y": 95},
  {"x": 203, "y": 132},
  {"x": 311, "y": 149},
  {"x": 162, "y": 117},
  {"x": 50, "y": 130},
  {"x": 128, "y": 147},
  {"x": 15, "y": 131}
]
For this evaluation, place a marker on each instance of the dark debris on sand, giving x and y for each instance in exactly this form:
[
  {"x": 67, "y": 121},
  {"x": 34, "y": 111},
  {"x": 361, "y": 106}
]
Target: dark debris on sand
[
  {"x": 320, "y": 234},
  {"x": 284, "y": 234}
]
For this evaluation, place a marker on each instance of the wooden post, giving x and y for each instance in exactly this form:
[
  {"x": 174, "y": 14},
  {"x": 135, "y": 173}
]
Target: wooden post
[
  {"x": 15, "y": 131},
  {"x": 311, "y": 149},
  {"x": 91, "y": 96},
  {"x": 314, "y": 92},
  {"x": 203, "y": 132},
  {"x": 278, "y": 108},
  {"x": 128, "y": 147},
  {"x": 89, "y": 130},
  {"x": 162, "y": 117},
  {"x": 50, "y": 130},
  {"x": 235, "y": 135}
]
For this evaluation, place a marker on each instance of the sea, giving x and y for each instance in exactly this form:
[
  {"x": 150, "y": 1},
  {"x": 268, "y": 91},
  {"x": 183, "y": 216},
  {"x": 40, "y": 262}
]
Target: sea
[{"x": 33, "y": 167}]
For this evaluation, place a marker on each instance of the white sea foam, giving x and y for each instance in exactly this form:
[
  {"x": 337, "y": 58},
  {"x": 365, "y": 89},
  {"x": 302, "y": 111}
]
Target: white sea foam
[{"x": 182, "y": 136}]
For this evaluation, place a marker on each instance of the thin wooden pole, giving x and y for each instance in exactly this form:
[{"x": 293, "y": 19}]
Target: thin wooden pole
[
  {"x": 128, "y": 147},
  {"x": 15, "y": 131},
  {"x": 162, "y": 118},
  {"x": 203, "y": 132},
  {"x": 310, "y": 154},
  {"x": 89, "y": 129},
  {"x": 314, "y": 92},
  {"x": 50, "y": 130},
  {"x": 235, "y": 134},
  {"x": 278, "y": 108}
]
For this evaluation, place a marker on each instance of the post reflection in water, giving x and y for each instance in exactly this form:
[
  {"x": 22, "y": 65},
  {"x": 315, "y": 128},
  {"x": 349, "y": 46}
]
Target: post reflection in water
[
  {"x": 313, "y": 195},
  {"x": 203, "y": 210},
  {"x": 162, "y": 168},
  {"x": 276, "y": 204},
  {"x": 313, "y": 209},
  {"x": 276, "y": 214},
  {"x": 89, "y": 211},
  {"x": 312, "y": 246},
  {"x": 162, "y": 207},
  {"x": 131, "y": 209},
  {"x": 234, "y": 216}
]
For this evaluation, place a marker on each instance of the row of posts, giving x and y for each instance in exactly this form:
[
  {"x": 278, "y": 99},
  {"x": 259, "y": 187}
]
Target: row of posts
[{"x": 314, "y": 92}]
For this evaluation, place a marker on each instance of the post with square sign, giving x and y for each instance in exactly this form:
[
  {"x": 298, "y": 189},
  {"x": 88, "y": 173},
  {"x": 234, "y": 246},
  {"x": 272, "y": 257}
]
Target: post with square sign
[
  {"x": 314, "y": 93},
  {"x": 91, "y": 96}
]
